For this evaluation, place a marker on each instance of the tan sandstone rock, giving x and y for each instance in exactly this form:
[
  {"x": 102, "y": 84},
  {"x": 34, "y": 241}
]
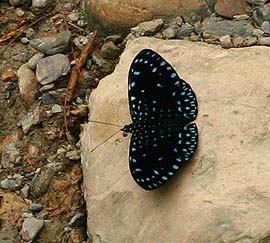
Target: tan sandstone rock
[
  {"x": 223, "y": 194},
  {"x": 120, "y": 15}
]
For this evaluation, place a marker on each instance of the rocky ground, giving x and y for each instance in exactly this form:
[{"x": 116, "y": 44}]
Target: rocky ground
[{"x": 41, "y": 194}]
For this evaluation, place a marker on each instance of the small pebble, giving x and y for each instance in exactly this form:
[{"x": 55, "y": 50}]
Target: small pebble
[
  {"x": 74, "y": 17},
  {"x": 10, "y": 184},
  {"x": 88, "y": 64},
  {"x": 33, "y": 61},
  {"x": 30, "y": 33},
  {"x": 225, "y": 41},
  {"x": 56, "y": 109},
  {"x": 67, "y": 229},
  {"x": 73, "y": 155},
  {"x": 35, "y": 207},
  {"x": 19, "y": 12},
  {"x": 110, "y": 51},
  {"x": 24, "y": 40},
  {"x": 27, "y": 215},
  {"x": 81, "y": 23},
  {"x": 264, "y": 41},
  {"x": 39, "y": 3},
  {"x": 25, "y": 190},
  {"x": 238, "y": 41},
  {"x": 266, "y": 27},
  {"x": 168, "y": 33}
]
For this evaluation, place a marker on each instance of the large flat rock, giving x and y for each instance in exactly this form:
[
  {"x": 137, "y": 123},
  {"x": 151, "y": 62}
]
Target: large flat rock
[
  {"x": 120, "y": 15},
  {"x": 223, "y": 194}
]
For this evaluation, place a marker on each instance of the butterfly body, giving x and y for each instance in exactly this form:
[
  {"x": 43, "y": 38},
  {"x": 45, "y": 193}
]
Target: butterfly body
[{"x": 162, "y": 107}]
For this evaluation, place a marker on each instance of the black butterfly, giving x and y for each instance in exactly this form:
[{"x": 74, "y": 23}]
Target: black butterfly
[{"x": 161, "y": 106}]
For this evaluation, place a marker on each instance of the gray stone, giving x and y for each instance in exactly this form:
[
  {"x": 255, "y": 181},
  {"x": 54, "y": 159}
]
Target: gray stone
[
  {"x": 225, "y": 41},
  {"x": 41, "y": 181},
  {"x": 266, "y": 27},
  {"x": 217, "y": 194},
  {"x": 10, "y": 155},
  {"x": 110, "y": 51},
  {"x": 39, "y": 3},
  {"x": 56, "y": 109},
  {"x": 264, "y": 41},
  {"x": 147, "y": 28},
  {"x": 33, "y": 61},
  {"x": 10, "y": 184},
  {"x": 250, "y": 41},
  {"x": 28, "y": 84},
  {"x": 35, "y": 207},
  {"x": 31, "y": 228},
  {"x": 32, "y": 118},
  {"x": 49, "y": 69},
  {"x": 184, "y": 31},
  {"x": 257, "y": 33},
  {"x": 261, "y": 14},
  {"x": 54, "y": 44},
  {"x": 74, "y": 17},
  {"x": 48, "y": 99},
  {"x": 168, "y": 33},
  {"x": 73, "y": 155},
  {"x": 217, "y": 27},
  {"x": 238, "y": 41},
  {"x": 43, "y": 215},
  {"x": 30, "y": 33}
]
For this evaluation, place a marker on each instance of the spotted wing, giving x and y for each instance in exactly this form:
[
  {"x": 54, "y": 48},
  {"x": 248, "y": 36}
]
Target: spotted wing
[
  {"x": 157, "y": 154},
  {"x": 156, "y": 91}
]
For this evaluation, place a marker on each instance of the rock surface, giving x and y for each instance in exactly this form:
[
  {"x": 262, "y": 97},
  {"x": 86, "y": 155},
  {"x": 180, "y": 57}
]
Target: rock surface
[
  {"x": 121, "y": 15},
  {"x": 216, "y": 27},
  {"x": 223, "y": 194},
  {"x": 229, "y": 8}
]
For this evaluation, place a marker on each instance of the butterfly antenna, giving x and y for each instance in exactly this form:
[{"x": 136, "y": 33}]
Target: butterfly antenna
[
  {"x": 105, "y": 140},
  {"x": 105, "y": 123}
]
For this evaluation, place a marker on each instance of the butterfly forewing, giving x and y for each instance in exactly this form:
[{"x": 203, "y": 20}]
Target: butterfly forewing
[
  {"x": 156, "y": 91},
  {"x": 162, "y": 105}
]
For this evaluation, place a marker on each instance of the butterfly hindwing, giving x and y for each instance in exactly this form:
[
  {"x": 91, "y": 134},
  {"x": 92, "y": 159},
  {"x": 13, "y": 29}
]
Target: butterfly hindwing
[
  {"x": 155, "y": 156},
  {"x": 157, "y": 92}
]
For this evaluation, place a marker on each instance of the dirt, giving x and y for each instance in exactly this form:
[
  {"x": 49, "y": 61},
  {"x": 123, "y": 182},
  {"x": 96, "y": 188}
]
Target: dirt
[{"x": 45, "y": 143}]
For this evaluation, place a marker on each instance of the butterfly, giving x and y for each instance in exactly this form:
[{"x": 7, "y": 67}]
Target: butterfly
[{"x": 162, "y": 107}]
